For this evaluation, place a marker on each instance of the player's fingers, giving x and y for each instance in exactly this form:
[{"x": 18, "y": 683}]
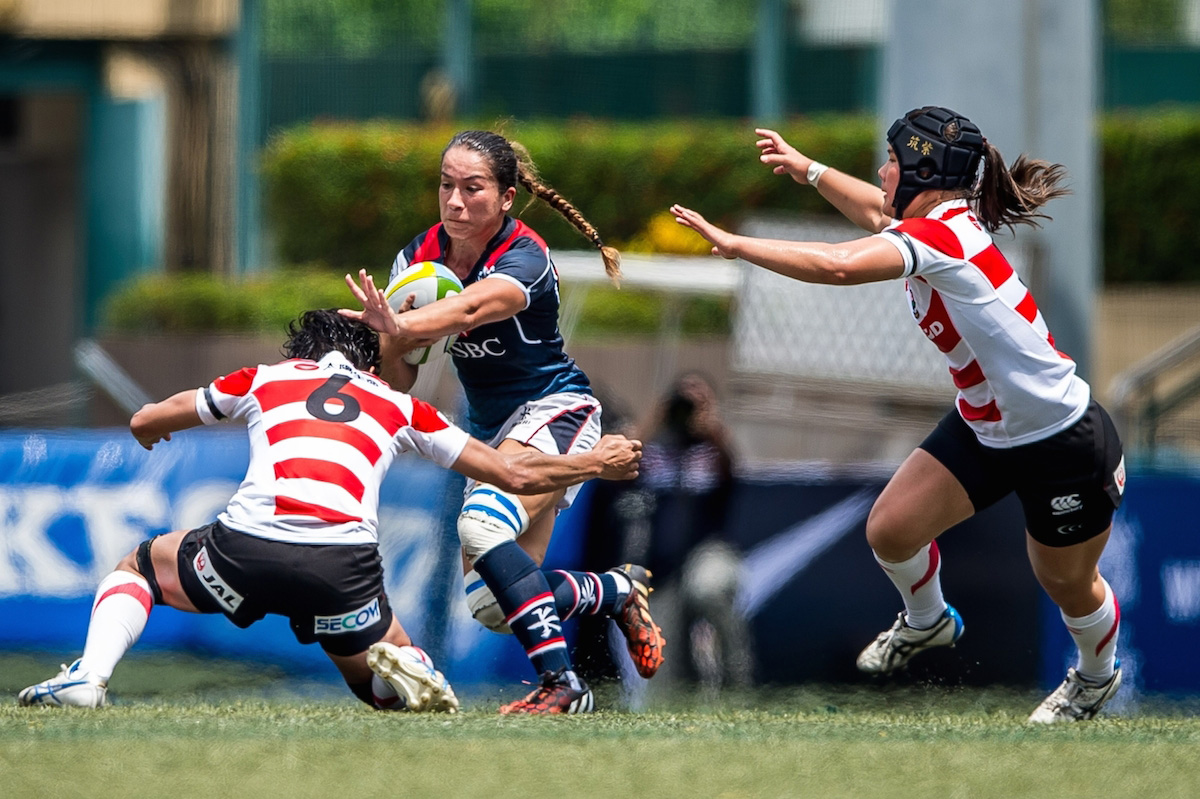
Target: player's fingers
[{"x": 354, "y": 289}]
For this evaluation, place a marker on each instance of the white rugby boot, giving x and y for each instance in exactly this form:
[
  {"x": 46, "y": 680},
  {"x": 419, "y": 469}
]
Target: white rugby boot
[
  {"x": 1076, "y": 699},
  {"x": 410, "y": 671},
  {"x": 70, "y": 687},
  {"x": 893, "y": 648}
]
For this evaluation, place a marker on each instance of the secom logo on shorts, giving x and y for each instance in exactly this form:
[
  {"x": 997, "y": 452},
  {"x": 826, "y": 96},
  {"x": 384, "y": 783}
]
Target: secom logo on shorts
[
  {"x": 214, "y": 583},
  {"x": 365, "y": 616}
]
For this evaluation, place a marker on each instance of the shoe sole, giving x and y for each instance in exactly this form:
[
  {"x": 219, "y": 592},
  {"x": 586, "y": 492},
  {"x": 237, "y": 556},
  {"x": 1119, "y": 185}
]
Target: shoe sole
[
  {"x": 1109, "y": 692},
  {"x": 28, "y": 698},
  {"x": 431, "y": 695},
  {"x": 523, "y": 707},
  {"x": 912, "y": 649},
  {"x": 643, "y": 637}
]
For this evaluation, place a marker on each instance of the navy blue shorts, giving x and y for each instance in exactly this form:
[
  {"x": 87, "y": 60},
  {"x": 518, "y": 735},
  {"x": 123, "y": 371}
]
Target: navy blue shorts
[
  {"x": 1069, "y": 484},
  {"x": 331, "y": 594}
]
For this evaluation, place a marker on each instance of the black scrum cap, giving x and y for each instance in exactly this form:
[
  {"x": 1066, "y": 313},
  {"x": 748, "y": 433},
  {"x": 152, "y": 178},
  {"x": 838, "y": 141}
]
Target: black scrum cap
[{"x": 936, "y": 149}]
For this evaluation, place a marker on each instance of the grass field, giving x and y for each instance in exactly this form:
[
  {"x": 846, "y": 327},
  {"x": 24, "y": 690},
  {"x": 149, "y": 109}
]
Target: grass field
[{"x": 184, "y": 728}]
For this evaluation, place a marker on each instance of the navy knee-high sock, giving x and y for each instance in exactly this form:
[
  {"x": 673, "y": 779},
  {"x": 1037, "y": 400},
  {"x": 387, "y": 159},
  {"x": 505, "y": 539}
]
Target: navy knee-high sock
[
  {"x": 587, "y": 592},
  {"x": 523, "y": 594}
]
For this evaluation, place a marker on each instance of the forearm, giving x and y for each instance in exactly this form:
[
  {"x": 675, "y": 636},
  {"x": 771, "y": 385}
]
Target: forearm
[
  {"x": 471, "y": 309},
  {"x": 849, "y": 263},
  {"x": 395, "y": 371},
  {"x": 534, "y": 472},
  {"x": 527, "y": 471},
  {"x": 808, "y": 262},
  {"x": 156, "y": 421},
  {"x": 855, "y": 199}
]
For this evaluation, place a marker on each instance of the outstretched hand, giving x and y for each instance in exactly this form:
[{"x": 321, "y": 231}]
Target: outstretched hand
[
  {"x": 721, "y": 240},
  {"x": 783, "y": 158},
  {"x": 376, "y": 312},
  {"x": 620, "y": 457},
  {"x": 148, "y": 440}
]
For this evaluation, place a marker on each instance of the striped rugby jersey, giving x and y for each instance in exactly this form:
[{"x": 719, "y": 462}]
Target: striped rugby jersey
[
  {"x": 322, "y": 436},
  {"x": 1014, "y": 386}
]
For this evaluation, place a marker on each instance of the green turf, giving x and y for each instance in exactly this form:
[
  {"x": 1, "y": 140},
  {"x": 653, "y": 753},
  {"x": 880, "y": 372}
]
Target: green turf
[{"x": 196, "y": 728}]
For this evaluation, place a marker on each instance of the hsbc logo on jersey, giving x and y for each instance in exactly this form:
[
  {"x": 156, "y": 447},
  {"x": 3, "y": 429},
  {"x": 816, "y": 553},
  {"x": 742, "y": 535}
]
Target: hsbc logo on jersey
[
  {"x": 1065, "y": 504},
  {"x": 492, "y": 348},
  {"x": 350, "y": 622},
  {"x": 214, "y": 583}
]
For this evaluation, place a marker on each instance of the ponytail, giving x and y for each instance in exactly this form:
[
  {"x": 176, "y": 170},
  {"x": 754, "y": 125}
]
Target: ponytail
[
  {"x": 1009, "y": 196},
  {"x": 527, "y": 176}
]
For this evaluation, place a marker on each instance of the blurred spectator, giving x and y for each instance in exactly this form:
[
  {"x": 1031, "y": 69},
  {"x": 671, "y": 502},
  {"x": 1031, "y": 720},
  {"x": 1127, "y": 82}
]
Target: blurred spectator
[{"x": 685, "y": 486}]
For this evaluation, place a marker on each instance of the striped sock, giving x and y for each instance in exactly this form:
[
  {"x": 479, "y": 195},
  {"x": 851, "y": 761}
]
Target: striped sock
[
  {"x": 919, "y": 582},
  {"x": 1096, "y": 636},
  {"x": 579, "y": 593},
  {"x": 524, "y": 595},
  {"x": 119, "y": 615}
]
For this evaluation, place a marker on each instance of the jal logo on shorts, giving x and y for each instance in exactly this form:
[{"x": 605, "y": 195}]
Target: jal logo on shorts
[
  {"x": 1065, "y": 504},
  {"x": 214, "y": 583},
  {"x": 350, "y": 622},
  {"x": 1119, "y": 476}
]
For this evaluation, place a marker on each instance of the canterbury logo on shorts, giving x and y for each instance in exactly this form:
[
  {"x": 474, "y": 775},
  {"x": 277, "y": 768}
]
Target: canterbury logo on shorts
[
  {"x": 350, "y": 622},
  {"x": 214, "y": 583}
]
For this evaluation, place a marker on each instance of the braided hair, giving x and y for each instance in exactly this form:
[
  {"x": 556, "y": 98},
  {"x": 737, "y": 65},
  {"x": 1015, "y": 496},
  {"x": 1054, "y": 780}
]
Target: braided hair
[{"x": 512, "y": 165}]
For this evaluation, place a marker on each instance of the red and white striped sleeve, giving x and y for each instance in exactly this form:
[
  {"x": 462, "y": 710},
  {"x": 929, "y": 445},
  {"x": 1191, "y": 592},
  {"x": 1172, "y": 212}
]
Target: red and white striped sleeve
[
  {"x": 433, "y": 436},
  {"x": 226, "y": 397}
]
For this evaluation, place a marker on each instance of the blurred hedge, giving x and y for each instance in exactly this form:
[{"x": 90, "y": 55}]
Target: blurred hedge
[
  {"x": 206, "y": 303},
  {"x": 1151, "y": 203},
  {"x": 341, "y": 197},
  {"x": 351, "y": 196}
]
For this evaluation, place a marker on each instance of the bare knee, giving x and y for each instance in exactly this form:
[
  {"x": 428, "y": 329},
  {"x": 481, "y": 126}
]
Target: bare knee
[
  {"x": 1077, "y": 593},
  {"x": 129, "y": 563},
  {"x": 889, "y": 537}
]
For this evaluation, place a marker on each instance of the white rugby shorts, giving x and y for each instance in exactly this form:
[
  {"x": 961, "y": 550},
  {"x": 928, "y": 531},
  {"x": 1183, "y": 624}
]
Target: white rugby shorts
[{"x": 558, "y": 424}]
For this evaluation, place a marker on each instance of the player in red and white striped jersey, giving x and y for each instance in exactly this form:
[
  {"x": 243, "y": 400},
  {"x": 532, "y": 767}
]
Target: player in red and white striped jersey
[
  {"x": 1024, "y": 420},
  {"x": 299, "y": 537}
]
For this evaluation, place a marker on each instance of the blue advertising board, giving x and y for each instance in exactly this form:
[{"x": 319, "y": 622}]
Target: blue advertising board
[{"x": 73, "y": 503}]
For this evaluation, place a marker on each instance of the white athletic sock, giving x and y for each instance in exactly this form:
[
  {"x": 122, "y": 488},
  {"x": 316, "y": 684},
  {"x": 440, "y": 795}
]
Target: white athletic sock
[
  {"x": 119, "y": 613},
  {"x": 918, "y": 580},
  {"x": 385, "y": 695},
  {"x": 1096, "y": 636}
]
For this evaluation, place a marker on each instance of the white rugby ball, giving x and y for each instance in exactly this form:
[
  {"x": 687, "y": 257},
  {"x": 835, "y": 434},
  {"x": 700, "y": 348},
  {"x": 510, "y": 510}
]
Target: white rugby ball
[{"x": 430, "y": 282}]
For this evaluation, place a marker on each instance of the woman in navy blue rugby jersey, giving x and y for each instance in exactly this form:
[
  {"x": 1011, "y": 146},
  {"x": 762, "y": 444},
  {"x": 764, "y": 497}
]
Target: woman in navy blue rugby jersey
[{"x": 522, "y": 391}]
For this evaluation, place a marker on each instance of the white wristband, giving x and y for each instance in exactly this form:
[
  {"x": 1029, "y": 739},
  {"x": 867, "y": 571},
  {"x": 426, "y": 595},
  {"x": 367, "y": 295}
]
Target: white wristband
[{"x": 815, "y": 170}]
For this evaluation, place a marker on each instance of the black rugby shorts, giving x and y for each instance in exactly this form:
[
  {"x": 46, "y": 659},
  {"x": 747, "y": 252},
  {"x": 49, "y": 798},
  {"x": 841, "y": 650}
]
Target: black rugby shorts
[
  {"x": 1069, "y": 484},
  {"x": 331, "y": 594}
]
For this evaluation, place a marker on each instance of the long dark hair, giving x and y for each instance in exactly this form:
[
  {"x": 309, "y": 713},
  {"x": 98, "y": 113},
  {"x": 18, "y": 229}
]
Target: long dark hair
[
  {"x": 1012, "y": 195},
  {"x": 511, "y": 165},
  {"x": 319, "y": 332}
]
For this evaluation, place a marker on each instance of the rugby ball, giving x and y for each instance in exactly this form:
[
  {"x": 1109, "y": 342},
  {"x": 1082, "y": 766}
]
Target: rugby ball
[{"x": 430, "y": 282}]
